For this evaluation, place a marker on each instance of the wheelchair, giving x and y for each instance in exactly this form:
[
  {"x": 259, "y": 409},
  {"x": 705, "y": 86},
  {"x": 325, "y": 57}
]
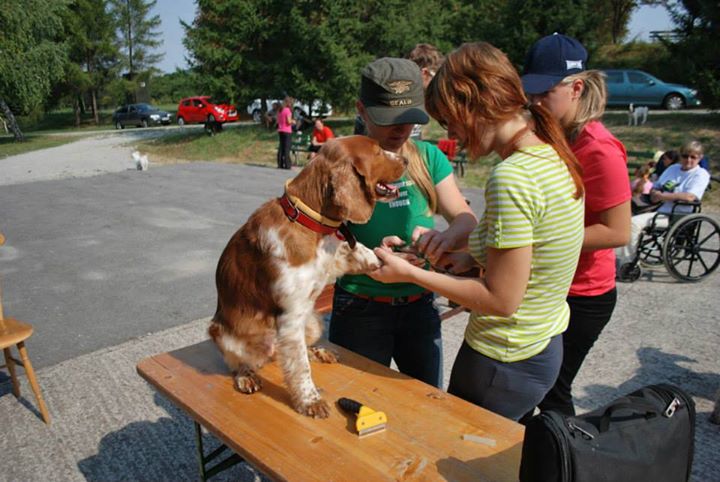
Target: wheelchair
[{"x": 688, "y": 244}]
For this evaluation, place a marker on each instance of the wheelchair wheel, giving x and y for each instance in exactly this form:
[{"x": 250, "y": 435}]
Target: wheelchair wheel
[
  {"x": 650, "y": 250},
  {"x": 692, "y": 248}
]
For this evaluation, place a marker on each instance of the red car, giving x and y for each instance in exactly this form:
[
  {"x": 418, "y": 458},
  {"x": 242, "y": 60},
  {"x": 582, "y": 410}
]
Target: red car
[{"x": 202, "y": 109}]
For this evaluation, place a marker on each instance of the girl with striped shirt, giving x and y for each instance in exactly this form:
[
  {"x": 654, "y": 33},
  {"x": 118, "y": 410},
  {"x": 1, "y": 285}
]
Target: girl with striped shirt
[{"x": 527, "y": 243}]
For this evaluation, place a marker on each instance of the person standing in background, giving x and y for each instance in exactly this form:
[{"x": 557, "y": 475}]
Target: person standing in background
[
  {"x": 429, "y": 59},
  {"x": 284, "y": 128}
]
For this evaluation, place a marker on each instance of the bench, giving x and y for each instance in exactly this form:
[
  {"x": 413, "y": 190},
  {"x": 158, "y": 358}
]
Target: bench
[
  {"x": 423, "y": 439},
  {"x": 300, "y": 145}
]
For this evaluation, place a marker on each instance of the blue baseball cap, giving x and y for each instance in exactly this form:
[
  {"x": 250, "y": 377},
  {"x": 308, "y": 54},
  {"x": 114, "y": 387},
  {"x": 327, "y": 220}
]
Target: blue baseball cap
[{"x": 550, "y": 60}]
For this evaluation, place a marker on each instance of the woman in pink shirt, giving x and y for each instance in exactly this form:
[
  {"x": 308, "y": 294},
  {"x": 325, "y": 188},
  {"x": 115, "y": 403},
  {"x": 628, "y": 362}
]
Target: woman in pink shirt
[
  {"x": 555, "y": 77},
  {"x": 285, "y": 122}
]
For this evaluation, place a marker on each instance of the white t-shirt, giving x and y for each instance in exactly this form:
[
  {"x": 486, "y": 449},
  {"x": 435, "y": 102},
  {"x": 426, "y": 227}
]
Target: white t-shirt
[{"x": 694, "y": 181}]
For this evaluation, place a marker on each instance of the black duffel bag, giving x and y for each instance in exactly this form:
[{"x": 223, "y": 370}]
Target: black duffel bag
[{"x": 646, "y": 435}]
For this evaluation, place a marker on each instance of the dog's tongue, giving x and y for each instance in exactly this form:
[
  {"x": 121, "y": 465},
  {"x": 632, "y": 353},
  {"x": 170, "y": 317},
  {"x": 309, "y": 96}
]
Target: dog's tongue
[{"x": 386, "y": 190}]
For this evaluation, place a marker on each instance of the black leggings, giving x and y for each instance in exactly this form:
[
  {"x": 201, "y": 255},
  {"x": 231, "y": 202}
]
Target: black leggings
[
  {"x": 588, "y": 317},
  {"x": 283, "y": 155}
]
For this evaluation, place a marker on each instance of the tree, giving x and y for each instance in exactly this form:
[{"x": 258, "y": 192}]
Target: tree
[
  {"x": 309, "y": 49},
  {"x": 93, "y": 52},
  {"x": 138, "y": 34},
  {"x": 697, "y": 53},
  {"x": 32, "y": 55}
]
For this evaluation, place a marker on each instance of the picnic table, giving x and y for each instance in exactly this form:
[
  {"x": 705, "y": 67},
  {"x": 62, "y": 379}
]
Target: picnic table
[{"x": 423, "y": 439}]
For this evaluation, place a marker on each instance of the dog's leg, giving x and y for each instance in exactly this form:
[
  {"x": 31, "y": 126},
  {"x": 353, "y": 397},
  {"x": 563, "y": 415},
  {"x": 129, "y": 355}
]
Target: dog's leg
[
  {"x": 240, "y": 359},
  {"x": 313, "y": 332},
  {"x": 293, "y": 358}
]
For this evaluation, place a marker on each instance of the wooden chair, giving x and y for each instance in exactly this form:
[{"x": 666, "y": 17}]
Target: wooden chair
[{"x": 14, "y": 332}]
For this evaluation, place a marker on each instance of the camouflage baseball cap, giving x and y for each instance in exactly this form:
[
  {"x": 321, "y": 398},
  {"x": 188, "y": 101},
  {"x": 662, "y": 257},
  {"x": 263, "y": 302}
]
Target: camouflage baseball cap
[{"x": 392, "y": 92}]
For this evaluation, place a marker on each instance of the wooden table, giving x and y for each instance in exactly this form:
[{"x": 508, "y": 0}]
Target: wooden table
[{"x": 423, "y": 439}]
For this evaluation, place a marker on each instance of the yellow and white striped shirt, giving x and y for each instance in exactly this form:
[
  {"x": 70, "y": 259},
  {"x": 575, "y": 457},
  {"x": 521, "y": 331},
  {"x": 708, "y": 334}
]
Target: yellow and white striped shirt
[{"x": 529, "y": 201}]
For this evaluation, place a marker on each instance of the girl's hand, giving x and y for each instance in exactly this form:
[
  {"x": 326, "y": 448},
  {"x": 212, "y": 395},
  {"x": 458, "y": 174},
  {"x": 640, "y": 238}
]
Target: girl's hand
[
  {"x": 395, "y": 269},
  {"x": 433, "y": 244},
  {"x": 459, "y": 264},
  {"x": 400, "y": 249}
]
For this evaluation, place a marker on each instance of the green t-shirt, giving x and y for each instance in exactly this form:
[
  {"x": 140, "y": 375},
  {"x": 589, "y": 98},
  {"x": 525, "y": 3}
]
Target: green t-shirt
[
  {"x": 529, "y": 202},
  {"x": 398, "y": 217}
]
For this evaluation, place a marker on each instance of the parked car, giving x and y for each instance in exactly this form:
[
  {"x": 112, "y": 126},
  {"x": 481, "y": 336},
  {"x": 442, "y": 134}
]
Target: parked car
[
  {"x": 318, "y": 109},
  {"x": 140, "y": 115},
  {"x": 203, "y": 109},
  {"x": 640, "y": 88}
]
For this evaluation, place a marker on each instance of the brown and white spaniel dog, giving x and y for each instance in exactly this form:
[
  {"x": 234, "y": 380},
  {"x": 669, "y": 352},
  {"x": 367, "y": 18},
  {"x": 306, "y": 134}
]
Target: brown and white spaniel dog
[{"x": 274, "y": 267}]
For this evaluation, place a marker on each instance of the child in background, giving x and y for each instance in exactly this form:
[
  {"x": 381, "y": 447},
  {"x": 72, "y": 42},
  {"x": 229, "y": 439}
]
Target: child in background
[{"x": 640, "y": 187}]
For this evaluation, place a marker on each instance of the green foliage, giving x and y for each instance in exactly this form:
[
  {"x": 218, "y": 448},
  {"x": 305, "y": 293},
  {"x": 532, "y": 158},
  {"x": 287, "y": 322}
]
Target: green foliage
[
  {"x": 93, "y": 53},
  {"x": 697, "y": 54},
  {"x": 650, "y": 57},
  {"x": 309, "y": 49},
  {"x": 137, "y": 33},
  {"x": 32, "y": 52},
  {"x": 170, "y": 88}
]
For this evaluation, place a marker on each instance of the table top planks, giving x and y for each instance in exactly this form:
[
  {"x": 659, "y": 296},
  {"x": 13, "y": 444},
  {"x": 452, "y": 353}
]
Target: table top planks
[{"x": 422, "y": 441}]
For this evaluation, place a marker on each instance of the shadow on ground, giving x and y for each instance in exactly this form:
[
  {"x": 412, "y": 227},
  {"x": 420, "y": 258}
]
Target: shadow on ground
[{"x": 155, "y": 451}]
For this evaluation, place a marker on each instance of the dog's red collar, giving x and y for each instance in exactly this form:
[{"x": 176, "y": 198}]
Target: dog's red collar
[{"x": 297, "y": 215}]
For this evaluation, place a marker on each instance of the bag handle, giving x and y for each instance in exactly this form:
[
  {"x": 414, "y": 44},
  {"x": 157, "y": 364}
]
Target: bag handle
[{"x": 634, "y": 404}]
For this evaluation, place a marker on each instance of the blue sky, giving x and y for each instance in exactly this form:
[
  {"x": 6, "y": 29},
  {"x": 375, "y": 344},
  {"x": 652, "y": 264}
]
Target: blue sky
[{"x": 171, "y": 12}]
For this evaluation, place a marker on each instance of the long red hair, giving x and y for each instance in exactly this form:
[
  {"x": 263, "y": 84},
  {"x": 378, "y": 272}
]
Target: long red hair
[{"x": 477, "y": 87}]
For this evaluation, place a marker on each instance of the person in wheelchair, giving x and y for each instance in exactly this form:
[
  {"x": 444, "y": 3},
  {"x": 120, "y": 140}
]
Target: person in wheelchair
[{"x": 685, "y": 181}]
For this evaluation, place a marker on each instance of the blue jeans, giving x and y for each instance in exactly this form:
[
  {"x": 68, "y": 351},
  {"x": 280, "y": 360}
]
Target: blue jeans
[{"x": 408, "y": 333}]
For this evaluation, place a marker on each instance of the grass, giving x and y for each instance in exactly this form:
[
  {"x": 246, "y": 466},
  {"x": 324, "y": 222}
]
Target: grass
[
  {"x": 237, "y": 144},
  {"x": 8, "y": 146}
]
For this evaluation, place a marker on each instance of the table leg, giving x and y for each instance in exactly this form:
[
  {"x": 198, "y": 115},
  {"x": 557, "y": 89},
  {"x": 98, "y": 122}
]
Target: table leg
[{"x": 205, "y": 471}]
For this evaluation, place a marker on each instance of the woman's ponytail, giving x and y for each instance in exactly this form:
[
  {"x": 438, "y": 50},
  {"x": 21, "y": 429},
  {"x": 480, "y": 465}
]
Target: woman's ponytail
[{"x": 549, "y": 130}]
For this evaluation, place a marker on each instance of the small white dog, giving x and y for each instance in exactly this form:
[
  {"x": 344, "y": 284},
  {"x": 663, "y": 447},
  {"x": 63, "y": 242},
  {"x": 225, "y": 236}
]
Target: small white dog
[
  {"x": 141, "y": 161},
  {"x": 637, "y": 114}
]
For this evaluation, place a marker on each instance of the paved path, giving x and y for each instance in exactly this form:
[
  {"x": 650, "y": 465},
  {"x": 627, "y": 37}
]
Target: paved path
[{"x": 112, "y": 264}]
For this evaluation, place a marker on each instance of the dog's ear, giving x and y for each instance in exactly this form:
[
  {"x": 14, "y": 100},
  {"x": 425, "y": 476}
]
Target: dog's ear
[{"x": 351, "y": 195}]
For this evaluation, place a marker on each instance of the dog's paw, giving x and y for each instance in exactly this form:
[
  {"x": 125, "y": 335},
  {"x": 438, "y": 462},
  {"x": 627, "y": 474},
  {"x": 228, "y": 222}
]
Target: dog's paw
[
  {"x": 248, "y": 382},
  {"x": 323, "y": 355},
  {"x": 363, "y": 260},
  {"x": 317, "y": 409}
]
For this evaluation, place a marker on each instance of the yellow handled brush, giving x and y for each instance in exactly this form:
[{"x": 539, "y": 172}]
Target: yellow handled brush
[{"x": 368, "y": 420}]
